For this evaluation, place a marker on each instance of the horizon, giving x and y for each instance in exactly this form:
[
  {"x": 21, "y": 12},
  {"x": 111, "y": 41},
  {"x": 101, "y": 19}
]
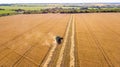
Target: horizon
[
  {"x": 57, "y": 1},
  {"x": 68, "y": 3}
]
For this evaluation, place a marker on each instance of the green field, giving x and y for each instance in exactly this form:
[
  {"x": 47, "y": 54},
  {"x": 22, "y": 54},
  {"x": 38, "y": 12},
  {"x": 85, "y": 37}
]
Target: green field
[
  {"x": 11, "y": 9},
  {"x": 24, "y": 7},
  {"x": 6, "y": 11}
]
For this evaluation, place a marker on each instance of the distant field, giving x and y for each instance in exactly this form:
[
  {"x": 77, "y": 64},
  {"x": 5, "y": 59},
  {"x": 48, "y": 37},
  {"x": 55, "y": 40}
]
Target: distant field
[
  {"x": 11, "y": 9},
  {"x": 24, "y": 7},
  {"x": 6, "y": 11}
]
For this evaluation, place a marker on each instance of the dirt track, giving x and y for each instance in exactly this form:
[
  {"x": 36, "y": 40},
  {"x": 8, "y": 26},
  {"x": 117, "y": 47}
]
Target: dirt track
[{"x": 90, "y": 40}]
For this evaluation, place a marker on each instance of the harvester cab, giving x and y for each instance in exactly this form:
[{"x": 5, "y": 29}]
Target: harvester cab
[{"x": 59, "y": 39}]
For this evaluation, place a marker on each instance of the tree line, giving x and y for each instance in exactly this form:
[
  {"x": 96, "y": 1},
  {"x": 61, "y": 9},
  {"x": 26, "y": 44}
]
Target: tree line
[
  {"x": 71, "y": 10},
  {"x": 62, "y": 10}
]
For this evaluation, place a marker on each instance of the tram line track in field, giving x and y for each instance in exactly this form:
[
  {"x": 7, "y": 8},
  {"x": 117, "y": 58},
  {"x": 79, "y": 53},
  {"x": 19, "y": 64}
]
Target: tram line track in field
[
  {"x": 61, "y": 54},
  {"x": 52, "y": 27},
  {"x": 54, "y": 59},
  {"x": 98, "y": 44}
]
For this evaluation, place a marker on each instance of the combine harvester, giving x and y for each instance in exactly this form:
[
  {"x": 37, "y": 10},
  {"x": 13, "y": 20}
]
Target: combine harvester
[{"x": 58, "y": 39}]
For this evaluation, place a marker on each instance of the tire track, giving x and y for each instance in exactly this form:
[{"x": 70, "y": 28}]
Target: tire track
[
  {"x": 18, "y": 37},
  {"x": 51, "y": 53},
  {"x": 60, "y": 58},
  {"x": 66, "y": 57},
  {"x": 18, "y": 61},
  {"x": 98, "y": 44},
  {"x": 57, "y": 50},
  {"x": 76, "y": 46},
  {"x": 49, "y": 58},
  {"x": 108, "y": 28}
]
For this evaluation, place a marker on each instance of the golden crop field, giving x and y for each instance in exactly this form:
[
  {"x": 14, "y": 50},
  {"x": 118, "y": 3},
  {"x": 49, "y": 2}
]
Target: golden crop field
[{"x": 89, "y": 40}]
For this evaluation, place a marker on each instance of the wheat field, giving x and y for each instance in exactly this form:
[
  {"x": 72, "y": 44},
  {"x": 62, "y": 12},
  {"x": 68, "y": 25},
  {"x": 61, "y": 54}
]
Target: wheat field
[{"x": 89, "y": 40}]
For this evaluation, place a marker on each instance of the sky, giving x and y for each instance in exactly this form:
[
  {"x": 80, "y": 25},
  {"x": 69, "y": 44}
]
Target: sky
[{"x": 59, "y": 1}]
